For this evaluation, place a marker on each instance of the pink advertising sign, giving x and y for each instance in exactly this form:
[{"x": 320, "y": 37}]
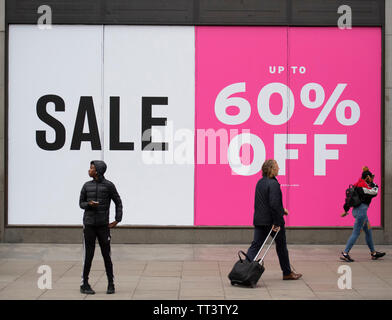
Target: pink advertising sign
[{"x": 308, "y": 97}]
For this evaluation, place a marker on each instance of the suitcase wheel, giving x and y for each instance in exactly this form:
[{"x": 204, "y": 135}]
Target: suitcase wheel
[{"x": 233, "y": 282}]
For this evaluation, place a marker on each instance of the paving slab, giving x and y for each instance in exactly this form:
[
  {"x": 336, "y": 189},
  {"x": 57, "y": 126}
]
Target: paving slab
[
  {"x": 340, "y": 295},
  {"x": 222, "y": 297},
  {"x": 200, "y": 284},
  {"x": 158, "y": 283},
  {"x": 17, "y": 293},
  {"x": 202, "y": 292},
  {"x": 190, "y": 272},
  {"x": 155, "y": 295},
  {"x": 68, "y": 294},
  {"x": 277, "y": 294},
  {"x": 104, "y": 296},
  {"x": 376, "y": 293}
]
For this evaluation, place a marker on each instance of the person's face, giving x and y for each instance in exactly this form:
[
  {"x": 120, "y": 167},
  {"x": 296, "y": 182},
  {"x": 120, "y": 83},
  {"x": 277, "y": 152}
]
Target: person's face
[
  {"x": 369, "y": 179},
  {"x": 275, "y": 169},
  {"x": 93, "y": 171}
]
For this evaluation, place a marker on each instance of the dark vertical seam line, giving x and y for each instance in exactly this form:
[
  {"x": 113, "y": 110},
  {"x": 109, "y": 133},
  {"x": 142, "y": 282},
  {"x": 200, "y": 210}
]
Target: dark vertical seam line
[
  {"x": 195, "y": 129},
  {"x": 103, "y": 94},
  {"x": 288, "y": 111}
]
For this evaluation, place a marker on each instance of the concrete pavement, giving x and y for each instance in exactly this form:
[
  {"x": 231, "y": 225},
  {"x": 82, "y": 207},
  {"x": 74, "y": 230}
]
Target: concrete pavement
[{"x": 190, "y": 272}]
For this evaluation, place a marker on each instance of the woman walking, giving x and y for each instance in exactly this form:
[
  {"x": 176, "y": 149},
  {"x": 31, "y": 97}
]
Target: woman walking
[
  {"x": 367, "y": 190},
  {"x": 268, "y": 214}
]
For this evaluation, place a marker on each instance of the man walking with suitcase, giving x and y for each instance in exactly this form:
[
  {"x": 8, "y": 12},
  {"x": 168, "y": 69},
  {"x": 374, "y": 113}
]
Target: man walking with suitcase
[
  {"x": 95, "y": 198},
  {"x": 268, "y": 213}
]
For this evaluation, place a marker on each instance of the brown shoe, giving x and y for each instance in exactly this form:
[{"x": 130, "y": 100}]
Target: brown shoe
[{"x": 292, "y": 276}]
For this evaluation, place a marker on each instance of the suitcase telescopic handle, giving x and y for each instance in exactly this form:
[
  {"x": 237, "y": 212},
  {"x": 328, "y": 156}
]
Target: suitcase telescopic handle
[{"x": 262, "y": 258}]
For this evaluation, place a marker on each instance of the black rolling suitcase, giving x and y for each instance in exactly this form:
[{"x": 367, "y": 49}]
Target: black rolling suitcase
[{"x": 246, "y": 272}]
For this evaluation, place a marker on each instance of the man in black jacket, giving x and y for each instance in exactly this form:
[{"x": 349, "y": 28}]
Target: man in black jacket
[
  {"x": 268, "y": 214},
  {"x": 95, "y": 198}
]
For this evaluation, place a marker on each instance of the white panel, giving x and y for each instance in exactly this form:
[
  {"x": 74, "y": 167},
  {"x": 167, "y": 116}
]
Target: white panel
[
  {"x": 147, "y": 61},
  {"x": 44, "y": 186}
]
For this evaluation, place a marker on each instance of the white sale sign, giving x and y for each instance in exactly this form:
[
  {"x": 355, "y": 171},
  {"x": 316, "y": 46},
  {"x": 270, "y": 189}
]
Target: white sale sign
[
  {"x": 151, "y": 70},
  {"x": 65, "y": 62},
  {"x": 80, "y": 93}
]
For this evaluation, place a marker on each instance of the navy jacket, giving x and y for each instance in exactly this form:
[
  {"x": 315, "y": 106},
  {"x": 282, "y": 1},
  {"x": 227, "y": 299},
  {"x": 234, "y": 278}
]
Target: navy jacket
[
  {"x": 268, "y": 203},
  {"x": 103, "y": 191}
]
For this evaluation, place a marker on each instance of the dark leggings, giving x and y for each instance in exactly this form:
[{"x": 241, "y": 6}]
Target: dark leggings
[
  {"x": 90, "y": 233},
  {"x": 260, "y": 234}
]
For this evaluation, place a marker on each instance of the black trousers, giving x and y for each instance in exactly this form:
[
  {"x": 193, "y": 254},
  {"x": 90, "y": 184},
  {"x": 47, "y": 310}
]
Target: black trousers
[
  {"x": 261, "y": 232},
  {"x": 90, "y": 234}
]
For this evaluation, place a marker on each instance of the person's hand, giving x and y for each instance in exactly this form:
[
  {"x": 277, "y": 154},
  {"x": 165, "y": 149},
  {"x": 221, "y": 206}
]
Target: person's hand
[
  {"x": 113, "y": 224},
  {"x": 344, "y": 214},
  {"x": 92, "y": 203},
  {"x": 275, "y": 228},
  {"x": 286, "y": 212}
]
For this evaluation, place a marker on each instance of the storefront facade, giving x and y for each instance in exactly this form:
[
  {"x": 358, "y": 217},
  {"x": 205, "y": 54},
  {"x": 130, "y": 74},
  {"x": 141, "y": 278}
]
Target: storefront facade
[{"x": 184, "y": 101}]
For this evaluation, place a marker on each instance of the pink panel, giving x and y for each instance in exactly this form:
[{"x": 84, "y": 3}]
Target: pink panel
[
  {"x": 335, "y": 56},
  {"x": 229, "y": 55}
]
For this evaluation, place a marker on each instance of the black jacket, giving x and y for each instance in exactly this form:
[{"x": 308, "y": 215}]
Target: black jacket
[
  {"x": 366, "y": 191},
  {"x": 268, "y": 203},
  {"x": 103, "y": 191}
]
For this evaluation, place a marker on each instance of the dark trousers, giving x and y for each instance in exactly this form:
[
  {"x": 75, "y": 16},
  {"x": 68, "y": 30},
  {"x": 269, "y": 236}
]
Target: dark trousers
[
  {"x": 261, "y": 232},
  {"x": 90, "y": 234}
]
